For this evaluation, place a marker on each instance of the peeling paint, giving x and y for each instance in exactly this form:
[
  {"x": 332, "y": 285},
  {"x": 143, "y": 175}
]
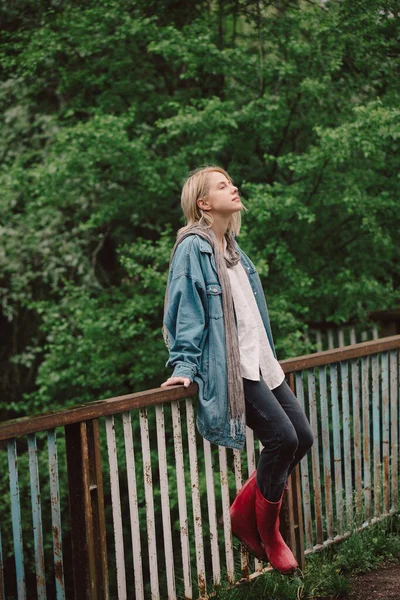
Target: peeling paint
[{"x": 339, "y": 408}]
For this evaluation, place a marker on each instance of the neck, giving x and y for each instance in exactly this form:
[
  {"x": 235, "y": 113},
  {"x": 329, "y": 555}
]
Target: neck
[{"x": 220, "y": 227}]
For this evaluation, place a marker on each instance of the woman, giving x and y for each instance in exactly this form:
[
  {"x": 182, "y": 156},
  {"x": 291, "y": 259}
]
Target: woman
[{"x": 217, "y": 329}]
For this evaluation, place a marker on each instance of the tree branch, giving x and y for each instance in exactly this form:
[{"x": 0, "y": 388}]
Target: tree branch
[
  {"x": 284, "y": 136},
  {"x": 318, "y": 182}
]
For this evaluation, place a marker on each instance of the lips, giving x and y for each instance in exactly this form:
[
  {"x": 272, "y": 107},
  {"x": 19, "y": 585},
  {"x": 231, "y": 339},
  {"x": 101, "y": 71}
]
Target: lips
[{"x": 235, "y": 198}]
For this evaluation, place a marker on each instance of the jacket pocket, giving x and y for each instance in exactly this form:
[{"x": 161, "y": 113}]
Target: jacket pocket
[{"x": 214, "y": 298}]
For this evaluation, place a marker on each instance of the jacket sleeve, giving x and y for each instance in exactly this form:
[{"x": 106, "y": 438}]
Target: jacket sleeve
[{"x": 186, "y": 324}]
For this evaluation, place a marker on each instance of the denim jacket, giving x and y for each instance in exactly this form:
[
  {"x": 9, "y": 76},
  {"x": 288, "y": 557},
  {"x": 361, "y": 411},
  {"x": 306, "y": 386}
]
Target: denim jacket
[{"x": 195, "y": 324}]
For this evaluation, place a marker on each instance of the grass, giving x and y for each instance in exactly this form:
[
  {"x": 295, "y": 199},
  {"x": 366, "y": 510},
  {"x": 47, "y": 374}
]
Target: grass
[{"x": 327, "y": 573}]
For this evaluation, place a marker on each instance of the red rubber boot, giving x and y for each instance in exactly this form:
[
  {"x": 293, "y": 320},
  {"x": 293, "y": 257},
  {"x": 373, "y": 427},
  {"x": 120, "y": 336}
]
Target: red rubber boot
[
  {"x": 279, "y": 554},
  {"x": 243, "y": 519}
]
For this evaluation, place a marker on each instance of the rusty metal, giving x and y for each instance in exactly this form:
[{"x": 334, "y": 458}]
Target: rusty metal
[
  {"x": 326, "y": 451},
  {"x": 315, "y": 456},
  {"x": 223, "y": 471},
  {"x": 337, "y": 455},
  {"x": 287, "y": 519},
  {"x": 194, "y": 484},
  {"x": 16, "y": 519},
  {"x": 244, "y": 555},
  {"x": 348, "y": 404},
  {"x": 251, "y": 466},
  {"x": 376, "y": 434},
  {"x": 251, "y": 457},
  {"x": 305, "y": 483},
  {"x": 357, "y": 439},
  {"x": 87, "y": 533},
  {"x": 55, "y": 515},
  {"x": 86, "y": 481},
  {"x": 298, "y": 525},
  {"x": 289, "y": 524},
  {"x": 165, "y": 508},
  {"x": 94, "y": 410},
  {"x": 336, "y": 355},
  {"x": 116, "y": 509},
  {"x": 37, "y": 518},
  {"x": 112, "y": 406},
  {"x": 96, "y": 498},
  {"x": 346, "y": 424},
  {"x": 394, "y": 433},
  {"x": 212, "y": 513},
  {"x": 133, "y": 506},
  {"x": 385, "y": 430},
  {"x": 149, "y": 500},
  {"x": 180, "y": 481},
  {"x": 365, "y": 393}
]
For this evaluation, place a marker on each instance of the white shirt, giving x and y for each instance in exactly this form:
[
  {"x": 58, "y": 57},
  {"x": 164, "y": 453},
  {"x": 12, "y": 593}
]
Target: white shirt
[{"x": 254, "y": 347}]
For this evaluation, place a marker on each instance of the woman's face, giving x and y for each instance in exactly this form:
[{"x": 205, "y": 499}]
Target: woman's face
[{"x": 223, "y": 197}]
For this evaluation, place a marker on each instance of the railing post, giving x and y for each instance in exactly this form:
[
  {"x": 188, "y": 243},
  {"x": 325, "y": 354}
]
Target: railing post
[
  {"x": 297, "y": 517},
  {"x": 86, "y": 505},
  {"x": 292, "y": 521}
]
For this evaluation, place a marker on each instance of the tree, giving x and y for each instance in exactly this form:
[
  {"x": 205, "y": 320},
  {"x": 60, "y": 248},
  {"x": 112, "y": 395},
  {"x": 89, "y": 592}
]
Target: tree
[{"x": 105, "y": 108}]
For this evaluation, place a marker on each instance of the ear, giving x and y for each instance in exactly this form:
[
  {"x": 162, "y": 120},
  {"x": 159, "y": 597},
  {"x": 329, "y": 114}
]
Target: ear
[{"x": 203, "y": 204}]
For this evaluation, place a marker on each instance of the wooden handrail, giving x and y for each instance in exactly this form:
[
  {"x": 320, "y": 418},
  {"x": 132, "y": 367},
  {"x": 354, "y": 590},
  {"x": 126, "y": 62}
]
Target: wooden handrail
[
  {"x": 111, "y": 406},
  {"x": 94, "y": 410},
  {"x": 318, "y": 359}
]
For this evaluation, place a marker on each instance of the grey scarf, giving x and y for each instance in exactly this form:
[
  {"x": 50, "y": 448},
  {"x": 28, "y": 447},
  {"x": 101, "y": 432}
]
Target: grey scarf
[{"x": 235, "y": 382}]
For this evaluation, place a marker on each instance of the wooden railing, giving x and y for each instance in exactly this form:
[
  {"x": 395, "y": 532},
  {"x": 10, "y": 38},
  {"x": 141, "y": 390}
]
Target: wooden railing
[{"x": 124, "y": 474}]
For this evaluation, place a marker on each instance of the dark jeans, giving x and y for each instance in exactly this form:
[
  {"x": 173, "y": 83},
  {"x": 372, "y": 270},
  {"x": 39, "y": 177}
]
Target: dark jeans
[{"x": 280, "y": 424}]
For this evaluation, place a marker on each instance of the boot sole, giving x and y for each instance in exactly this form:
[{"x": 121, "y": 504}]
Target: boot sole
[
  {"x": 250, "y": 550},
  {"x": 292, "y": 571}
]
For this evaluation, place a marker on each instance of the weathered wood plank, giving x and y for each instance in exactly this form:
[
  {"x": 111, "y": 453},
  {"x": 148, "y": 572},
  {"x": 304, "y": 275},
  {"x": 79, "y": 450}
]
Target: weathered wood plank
[
  {"x": 94, "y": 410},
  {"x": 335, "y": 355},
  {"x": 112, "y": 406}
]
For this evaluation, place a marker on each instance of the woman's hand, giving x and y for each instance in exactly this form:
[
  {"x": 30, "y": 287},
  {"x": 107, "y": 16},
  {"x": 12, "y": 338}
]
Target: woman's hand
[{"x": 176, "y": 381}]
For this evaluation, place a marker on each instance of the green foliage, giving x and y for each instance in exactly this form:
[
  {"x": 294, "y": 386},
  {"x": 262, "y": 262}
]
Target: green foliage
[
  {"x": 327, "y": 573},
  {"x": 91, "y": 337},
  {"x": 272, "y": 586},
  {"x": 105, "y": 107},
  {"x": 364, "y": 550},
  {"x": 322, "y": 579}
]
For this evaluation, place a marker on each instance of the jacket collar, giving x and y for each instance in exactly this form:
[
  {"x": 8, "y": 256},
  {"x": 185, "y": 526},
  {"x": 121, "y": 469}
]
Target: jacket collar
[{"x": 205, "y": 246}]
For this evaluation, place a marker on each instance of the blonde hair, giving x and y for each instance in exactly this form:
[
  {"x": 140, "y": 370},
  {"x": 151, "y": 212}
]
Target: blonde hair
[{"x": 197, "y": 186}]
